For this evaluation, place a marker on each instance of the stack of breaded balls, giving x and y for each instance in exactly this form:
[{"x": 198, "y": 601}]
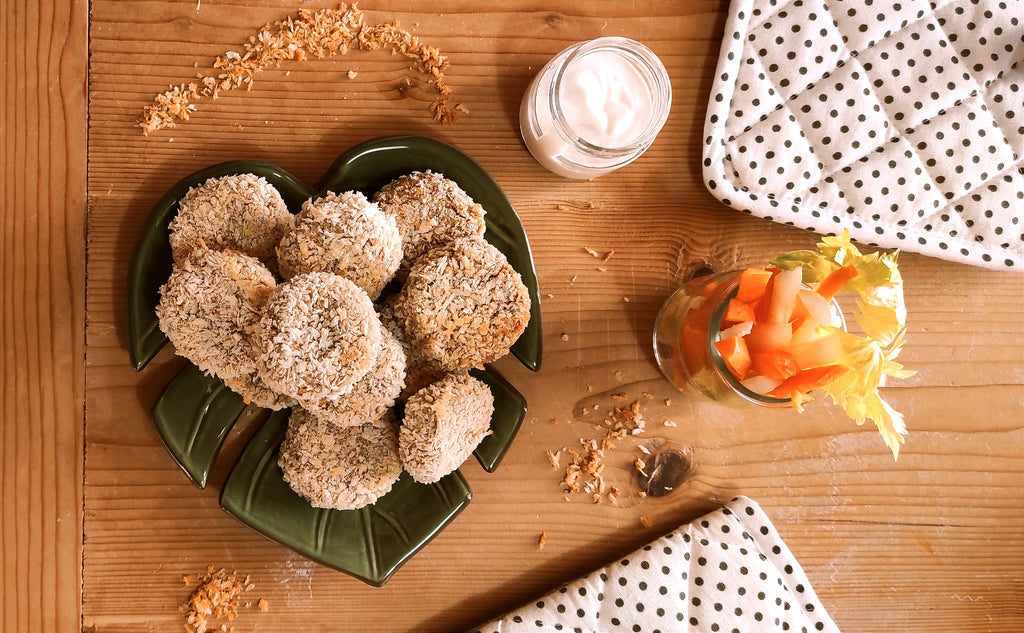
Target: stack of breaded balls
[{"x": 340, "y": 312}]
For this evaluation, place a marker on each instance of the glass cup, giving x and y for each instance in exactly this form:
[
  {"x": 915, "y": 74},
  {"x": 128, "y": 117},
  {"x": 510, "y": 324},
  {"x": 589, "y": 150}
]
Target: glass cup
[
  {"x": 553, "y": 116},
  {"x": 685, "y": 332}
]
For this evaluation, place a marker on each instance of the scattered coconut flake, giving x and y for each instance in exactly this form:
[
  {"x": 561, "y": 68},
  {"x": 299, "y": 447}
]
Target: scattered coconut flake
[{"x": 320, "y": 34}]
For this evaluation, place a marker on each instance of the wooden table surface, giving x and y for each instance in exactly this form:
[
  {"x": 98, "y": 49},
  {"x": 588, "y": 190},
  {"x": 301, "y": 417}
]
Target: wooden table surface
[{"x": 99, "y": 525}]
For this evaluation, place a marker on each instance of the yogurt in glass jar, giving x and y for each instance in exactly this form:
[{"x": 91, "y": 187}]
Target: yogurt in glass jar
[{"x": 595, "y": 107}]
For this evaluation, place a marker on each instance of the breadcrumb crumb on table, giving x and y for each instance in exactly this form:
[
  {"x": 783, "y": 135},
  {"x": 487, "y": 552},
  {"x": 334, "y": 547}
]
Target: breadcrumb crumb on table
[
  {"x": 319, "y": 34},
  {"x": 215, "y": 598},
  {"x": 585, "y": 470}
]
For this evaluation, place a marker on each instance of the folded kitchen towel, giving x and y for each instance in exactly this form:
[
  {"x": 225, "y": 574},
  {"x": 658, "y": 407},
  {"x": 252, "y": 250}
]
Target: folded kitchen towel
[
  {"x": 727, "y": 571},
  {"x": 902, "y": 121}
]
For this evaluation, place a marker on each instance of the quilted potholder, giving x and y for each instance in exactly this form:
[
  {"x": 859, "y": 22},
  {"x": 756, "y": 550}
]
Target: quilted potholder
[
  {"x": 727, "y": 571},
  {"x": 902, "y": 121}
]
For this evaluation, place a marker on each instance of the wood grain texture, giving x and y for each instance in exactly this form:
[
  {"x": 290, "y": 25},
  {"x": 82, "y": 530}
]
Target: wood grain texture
[
  {"x": 933, "y": 541},
  {"x": 42, "y": 272}
]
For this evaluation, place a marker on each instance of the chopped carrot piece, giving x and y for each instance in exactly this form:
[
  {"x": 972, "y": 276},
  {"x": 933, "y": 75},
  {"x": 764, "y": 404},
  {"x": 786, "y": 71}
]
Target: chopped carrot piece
[
  {"x": 776, "y": 364},
  {"x": 836, "y": 281},
  {"x": 734, "y": 352},
  {"x": 738, "y": 312},
  {"x": 753, "y": 282},
  {"x": 763, "y": 302},
  {"x": 808, "y": 380},
  {"x": 693, "y": 345}
]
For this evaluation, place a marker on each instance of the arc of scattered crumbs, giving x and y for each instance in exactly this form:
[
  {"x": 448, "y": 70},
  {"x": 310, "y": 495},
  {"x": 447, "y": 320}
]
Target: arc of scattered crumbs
[{"x": 320, "y": 34}]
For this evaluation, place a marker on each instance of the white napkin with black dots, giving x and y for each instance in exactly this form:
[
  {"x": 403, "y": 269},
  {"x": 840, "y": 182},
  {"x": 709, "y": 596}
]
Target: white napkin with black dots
[
  {"x": 900, "y": 120},
  {"x": 727, "y": 571}
]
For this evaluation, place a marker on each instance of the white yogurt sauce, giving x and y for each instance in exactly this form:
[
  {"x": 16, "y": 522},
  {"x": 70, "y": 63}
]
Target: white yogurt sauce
[
  {"x": 595, "y": 107},
  {"x": 605, "y": 99}
]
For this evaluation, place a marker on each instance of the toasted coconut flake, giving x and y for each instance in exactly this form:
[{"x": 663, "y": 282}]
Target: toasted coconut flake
[
  {"x": 319, "y": 34},
  {"x": 215, "y": 598}
]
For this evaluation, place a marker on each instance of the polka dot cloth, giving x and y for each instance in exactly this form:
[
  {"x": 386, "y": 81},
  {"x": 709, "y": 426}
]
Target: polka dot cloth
[
  {"x": 902, "y": 121},
  {"x": 728, "y": 571}
]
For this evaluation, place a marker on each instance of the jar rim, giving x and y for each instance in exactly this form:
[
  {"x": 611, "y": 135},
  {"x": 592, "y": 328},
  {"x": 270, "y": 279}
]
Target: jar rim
[{"x": 652, "y": 69}]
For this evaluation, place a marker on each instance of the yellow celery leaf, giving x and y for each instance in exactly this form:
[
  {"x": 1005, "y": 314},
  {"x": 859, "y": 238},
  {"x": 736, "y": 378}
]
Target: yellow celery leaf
[
  {"x": 815, "y": 267},
  {"x": 881, "y": 314},
  {"x": 856, "y": 391}
]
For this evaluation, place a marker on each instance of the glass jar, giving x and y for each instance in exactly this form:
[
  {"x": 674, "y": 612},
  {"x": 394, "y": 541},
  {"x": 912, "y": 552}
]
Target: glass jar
[
  {"x": 685, "y": 332},
  {"x": 598, "y": 105}
]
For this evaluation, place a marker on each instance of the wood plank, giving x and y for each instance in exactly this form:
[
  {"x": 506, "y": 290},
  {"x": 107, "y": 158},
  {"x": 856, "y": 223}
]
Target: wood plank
[
  {"x": 42, "y": 272},
  {"x": 935, "y": 540}
]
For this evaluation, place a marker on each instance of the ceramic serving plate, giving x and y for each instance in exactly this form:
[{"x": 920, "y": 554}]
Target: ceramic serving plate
[{"x": 195, "y": 412}]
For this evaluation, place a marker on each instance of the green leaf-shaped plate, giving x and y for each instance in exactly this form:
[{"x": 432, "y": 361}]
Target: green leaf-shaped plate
[
  {"x": 509, "y": 413},
  {"x": 370, "y": 543},
  {"x": 195, "y": 412}
]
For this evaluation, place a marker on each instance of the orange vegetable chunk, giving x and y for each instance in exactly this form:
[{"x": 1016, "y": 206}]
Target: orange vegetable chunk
[
  {"x": 734, "y": 353},
  {"x": 773, "y": 364},
  {"x": 825, "y": 349},
  {"x": 753, "y": 282},
  {"x": 738, "y": 312},
  {"x": 836, "y": 281},
  {"x": 808, "y": 380}
]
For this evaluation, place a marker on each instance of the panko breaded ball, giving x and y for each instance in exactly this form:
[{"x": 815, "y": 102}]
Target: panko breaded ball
[
  {"x": 420, "y": 371},
  {"x": 431, "y": 211},
  {"x": 340, "y": 468},
  {"x": 256, "y": 392},
  {"x": 372, "y": 395},
  {"x": 243, "y": 212},
  {"x": 209, "y": 308},
  {"x": 464, "y": 304},
  {"x": 344, "y": 234},
  {"x": 318, "y": 335},
  {"x": 444, "y": 423}
]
